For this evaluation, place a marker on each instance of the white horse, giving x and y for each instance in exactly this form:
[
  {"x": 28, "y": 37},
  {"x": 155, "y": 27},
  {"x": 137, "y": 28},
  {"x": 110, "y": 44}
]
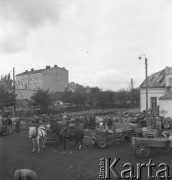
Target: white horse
[{"x": 36, "y": 135}]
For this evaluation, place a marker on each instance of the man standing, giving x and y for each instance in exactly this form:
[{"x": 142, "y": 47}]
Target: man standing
[{"x": 17, "y": 126}]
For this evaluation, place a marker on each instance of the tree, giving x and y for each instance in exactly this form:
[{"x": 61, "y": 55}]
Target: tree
[
  {"x": 92, "y": 97},
  {"x": 105, "y": 98},
  {"x": 75, "y": 98},
  {"x": 135, "y": 94},
  {"x": 42, "y": 99},
  {"x": 7, "y": 97}
]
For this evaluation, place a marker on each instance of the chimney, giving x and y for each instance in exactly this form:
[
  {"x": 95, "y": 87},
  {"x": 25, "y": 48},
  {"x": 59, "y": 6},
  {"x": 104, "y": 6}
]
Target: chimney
[
  {"x": 26, "y": 71},
  {"x": 32, "y": 69},
  {"x": 47, "y": 67},
  {"x": 55, "y": 66},
  {"x": 168, "y": 70}
]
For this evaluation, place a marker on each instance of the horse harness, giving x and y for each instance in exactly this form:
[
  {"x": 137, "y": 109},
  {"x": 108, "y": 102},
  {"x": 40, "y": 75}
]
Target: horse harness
[
  {"x": 62, "y": 130},
  {"x": 39, "y": 129}
]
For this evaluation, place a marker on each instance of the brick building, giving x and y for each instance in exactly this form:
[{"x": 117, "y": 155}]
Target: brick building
[{"x": 53, "y": 78}]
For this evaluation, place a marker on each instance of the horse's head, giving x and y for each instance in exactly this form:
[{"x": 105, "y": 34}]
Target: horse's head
[{"x": 32, "y": 131}]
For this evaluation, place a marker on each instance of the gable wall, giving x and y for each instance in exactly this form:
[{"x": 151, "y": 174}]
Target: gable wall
[{"x": 152, "y": 92}]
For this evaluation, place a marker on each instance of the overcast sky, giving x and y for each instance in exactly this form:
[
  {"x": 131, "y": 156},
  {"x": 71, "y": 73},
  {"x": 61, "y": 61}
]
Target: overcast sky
[{"x": 98, "y": 41}]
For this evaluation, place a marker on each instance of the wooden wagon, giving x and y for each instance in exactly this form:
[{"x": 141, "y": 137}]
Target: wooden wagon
[
  {"x": 142, "y": 145},
  {"x": 102, "y": 139}
]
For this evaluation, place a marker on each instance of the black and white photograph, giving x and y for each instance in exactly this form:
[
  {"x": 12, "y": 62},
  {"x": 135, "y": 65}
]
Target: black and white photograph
[{"x": 85, "y": 89}]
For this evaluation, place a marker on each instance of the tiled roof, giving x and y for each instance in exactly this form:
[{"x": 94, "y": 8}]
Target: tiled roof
[
  {"x": 167, "y": 96},
  {"x": 31, "y": 72},
  {"x": 156, "y": 80}
]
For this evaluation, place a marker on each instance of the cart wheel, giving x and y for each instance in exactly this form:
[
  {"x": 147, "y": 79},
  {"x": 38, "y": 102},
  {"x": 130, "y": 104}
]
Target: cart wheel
[
  {"x": 142, "y": 150},
  {"x": 102, "y": 143}
]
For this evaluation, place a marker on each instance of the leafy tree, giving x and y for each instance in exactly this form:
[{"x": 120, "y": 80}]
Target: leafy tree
[
  {"x": 67, "y": 97},
  {"x": 105, "y": 98},
  {"x": 135, "y": 96},
  {"x": 42, "y": 99},
  {"x": 79, "y": 98},
  {"x": 92, "y": 97},
  {"x": 7, "y": 97},
  {"x": 75, "y": 98}
]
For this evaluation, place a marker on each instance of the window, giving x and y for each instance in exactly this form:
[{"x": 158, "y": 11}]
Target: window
[
  {"x": 22, "y": 82},
  {"x": 170, "y": 82},
  {"x": 39, "y": 80},
  {"x": 19, "y": 83},
  {"x": 153, "y": 102},
  {"x": 35, "y": 80}
]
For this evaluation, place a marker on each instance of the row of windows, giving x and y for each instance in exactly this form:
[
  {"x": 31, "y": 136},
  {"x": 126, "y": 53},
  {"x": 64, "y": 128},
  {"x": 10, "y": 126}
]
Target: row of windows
[{"x": 37, "y": 80}]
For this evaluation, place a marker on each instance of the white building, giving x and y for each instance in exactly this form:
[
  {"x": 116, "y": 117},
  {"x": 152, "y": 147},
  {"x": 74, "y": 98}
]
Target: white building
[{"x": 159, "y": 92}]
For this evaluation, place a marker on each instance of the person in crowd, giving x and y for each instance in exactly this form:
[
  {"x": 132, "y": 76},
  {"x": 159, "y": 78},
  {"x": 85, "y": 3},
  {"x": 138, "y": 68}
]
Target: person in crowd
[
  {"x": 101, "y": 127},
  {"x": 109, "y": 122},
  {"x": 9, "y": 121},
  {"x": 17, "y": 126},
  {"x": 25, "y": 174},
  {"x": 64, "y": 119}
]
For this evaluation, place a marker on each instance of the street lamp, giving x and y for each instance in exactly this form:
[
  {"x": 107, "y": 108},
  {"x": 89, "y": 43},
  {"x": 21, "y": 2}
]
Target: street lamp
[{"x": 146, "y": 72}]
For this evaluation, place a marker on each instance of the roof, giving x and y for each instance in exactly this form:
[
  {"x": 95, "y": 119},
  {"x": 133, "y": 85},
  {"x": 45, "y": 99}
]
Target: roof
[
  {"x": 167, "y": 96},
  {"x": 31, "y": 72},
  {"x": 156, "y": 80},
  {"x": 39, "y": 70}
]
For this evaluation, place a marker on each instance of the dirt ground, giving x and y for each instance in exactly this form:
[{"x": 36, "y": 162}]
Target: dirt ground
[{"x": 53, "y": 163}]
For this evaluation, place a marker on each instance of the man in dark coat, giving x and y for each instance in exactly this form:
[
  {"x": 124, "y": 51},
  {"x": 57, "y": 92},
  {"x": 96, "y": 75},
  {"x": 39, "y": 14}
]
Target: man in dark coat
[{"x": 17, "y": 126}]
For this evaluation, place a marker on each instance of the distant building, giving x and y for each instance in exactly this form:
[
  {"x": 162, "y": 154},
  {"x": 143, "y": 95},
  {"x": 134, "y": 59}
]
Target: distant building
[
  {"x": 72, "y": 87},
  {"x": 159, "y": 92},
  {"x": 87, "y": 89},
  {"x": 53, "y": 78},
  {"x": 75, "y": 87}
]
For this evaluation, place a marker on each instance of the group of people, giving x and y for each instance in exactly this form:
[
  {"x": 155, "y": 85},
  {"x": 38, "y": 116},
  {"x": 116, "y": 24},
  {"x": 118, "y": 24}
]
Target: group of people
[
  {"x": 10, "y": 123},
  {"x": 88, "y": 121}
]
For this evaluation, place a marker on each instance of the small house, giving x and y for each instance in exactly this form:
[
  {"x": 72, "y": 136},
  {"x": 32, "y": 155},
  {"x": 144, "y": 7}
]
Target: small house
[{"x": 159, "y": 92}]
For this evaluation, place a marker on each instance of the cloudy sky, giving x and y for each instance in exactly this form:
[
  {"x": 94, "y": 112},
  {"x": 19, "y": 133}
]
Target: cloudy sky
[{"x": 98, "y": 41}]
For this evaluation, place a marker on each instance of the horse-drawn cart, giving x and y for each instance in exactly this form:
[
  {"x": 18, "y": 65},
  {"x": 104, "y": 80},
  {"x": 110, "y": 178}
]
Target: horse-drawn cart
[
  {"x": 142, "y": 145},
  {"x": 102, "y": 139}
]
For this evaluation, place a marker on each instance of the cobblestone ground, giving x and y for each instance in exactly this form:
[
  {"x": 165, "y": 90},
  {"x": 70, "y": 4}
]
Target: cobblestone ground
[{"x": 53, "y": 163}]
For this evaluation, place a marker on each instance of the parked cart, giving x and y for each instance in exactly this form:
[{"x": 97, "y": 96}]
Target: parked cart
[
  {"x": 142, "y": 145},
  {"x": 102, "y": 139}
]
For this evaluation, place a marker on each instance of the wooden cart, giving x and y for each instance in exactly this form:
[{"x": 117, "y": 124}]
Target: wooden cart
[
  {"x": 101, "y": 140},
  {"x": 142, "y": 145}
]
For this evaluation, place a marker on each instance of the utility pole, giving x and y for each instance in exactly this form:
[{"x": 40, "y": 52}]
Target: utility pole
[
  {"x": 131, "y": 90},
  {"x": 146, "y": 80},
  {"x": 14, "y": 87}
]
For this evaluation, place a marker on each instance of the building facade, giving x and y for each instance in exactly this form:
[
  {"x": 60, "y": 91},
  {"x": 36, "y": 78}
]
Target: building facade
[
  {"x": 75, "y": 87},
  {"x": 53, "y": 78},
  {"x": 159, "y": 92}
]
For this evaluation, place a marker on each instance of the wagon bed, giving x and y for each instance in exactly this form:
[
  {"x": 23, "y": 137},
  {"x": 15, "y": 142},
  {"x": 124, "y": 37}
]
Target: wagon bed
[
  {"x": 101, "y": 139},
  {"x": 142, "y": 145}
]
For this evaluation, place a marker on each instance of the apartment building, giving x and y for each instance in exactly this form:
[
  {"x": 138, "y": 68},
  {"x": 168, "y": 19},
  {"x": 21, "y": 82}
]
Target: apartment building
[{"x": 53, "y": 78}]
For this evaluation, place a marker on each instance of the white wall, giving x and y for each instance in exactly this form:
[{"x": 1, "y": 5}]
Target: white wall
[
  {"x": 152, "y": 92},
  {"x": 165, "y": 105}
]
